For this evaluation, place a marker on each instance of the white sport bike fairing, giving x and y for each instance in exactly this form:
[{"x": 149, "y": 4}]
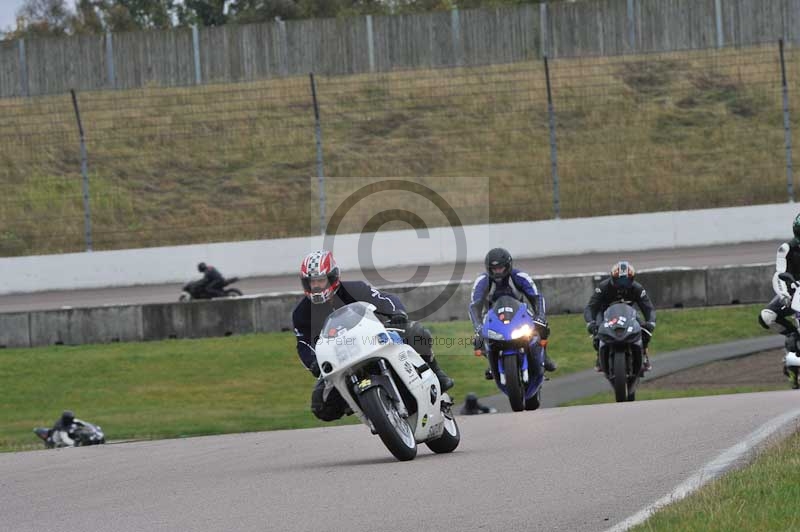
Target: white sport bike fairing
[{"x": 385, "y": 382}]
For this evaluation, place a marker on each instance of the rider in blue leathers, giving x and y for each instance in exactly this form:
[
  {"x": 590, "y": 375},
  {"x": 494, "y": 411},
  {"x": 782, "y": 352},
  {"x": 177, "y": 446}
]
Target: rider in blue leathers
[{"x": 502, "y": 279}]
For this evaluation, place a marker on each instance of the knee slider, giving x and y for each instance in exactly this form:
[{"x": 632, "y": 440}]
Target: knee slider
[{"x": 767, "y": 318}]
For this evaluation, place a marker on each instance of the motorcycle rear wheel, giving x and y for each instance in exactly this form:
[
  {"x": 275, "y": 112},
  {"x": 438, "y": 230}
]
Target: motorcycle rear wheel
[
  {"x": 393, "y": 430},
  {"x": 450, "y": 438}
]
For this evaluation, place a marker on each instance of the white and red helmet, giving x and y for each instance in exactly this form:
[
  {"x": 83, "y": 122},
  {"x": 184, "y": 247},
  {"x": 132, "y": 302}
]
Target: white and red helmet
[{"x": 319, "y": 265}]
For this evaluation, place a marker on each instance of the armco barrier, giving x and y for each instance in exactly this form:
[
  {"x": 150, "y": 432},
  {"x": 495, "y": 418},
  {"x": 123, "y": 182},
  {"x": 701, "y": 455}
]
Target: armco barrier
[{"x": 273, "y": 312}]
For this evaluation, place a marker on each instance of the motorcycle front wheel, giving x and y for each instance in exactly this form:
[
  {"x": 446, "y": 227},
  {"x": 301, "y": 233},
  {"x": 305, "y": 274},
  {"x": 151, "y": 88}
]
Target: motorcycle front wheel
[
  {"x": 233, "y": 292},
  {"x": 620, "y": 376},
  {"x": 393, "y": 430}
]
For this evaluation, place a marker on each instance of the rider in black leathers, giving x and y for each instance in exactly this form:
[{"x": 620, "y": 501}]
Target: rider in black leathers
[
  {"x": 324, "y": 293},
  {"x": 212, "y": 282},
  {"x": 620, "y": 286}
]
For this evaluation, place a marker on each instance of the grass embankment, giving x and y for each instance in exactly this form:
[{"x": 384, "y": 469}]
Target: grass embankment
[
  {"x": 237, "y": 162},
  {"x": 760, "y": 497},
  {"x": 178, "y": 388}
]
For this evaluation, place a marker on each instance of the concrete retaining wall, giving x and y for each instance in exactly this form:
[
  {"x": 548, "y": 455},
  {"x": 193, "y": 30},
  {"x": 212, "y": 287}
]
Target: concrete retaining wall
[
  {"x": 564, "y": 294},
  {"x": 663, "y": 230}
]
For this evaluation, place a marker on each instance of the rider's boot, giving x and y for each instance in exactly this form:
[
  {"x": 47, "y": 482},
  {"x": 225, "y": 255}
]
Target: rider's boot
[
  {"x": 488, "y": 375},
  {"x": 790, "y": 344},
  {"x": 549, "y": 365},
  {"x": 597, "y": 366},
  {"x": 646, "y": 366},
  {"x": 444, "y": 380}
]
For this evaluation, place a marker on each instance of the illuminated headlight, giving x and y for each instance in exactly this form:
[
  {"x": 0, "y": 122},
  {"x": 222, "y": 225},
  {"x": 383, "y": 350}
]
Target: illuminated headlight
[
  {"x": 522, "y": 332},
  {"x": 495, "y": 335}
]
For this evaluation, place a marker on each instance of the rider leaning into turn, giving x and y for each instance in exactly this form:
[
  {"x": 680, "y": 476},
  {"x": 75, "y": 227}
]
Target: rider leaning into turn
[
  {"x": 61, "y": 433},
  {"x": 620, "y": 286},
  {"x": 777, "y": 314},
  {"x": 325, "y": 293},
  {"x": 502, "y": 279}
]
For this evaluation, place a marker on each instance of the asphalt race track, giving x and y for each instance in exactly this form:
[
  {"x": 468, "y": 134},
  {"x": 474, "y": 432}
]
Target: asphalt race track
[
  {"x": 572, "y": 469},
  {"x": 748, "y": 253}
]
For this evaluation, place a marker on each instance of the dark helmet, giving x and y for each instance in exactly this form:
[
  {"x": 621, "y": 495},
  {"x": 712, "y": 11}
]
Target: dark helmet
[
  {"x": 622, "y": 274},
  {"x": 201, "y": 267},
  {"x": 67, "y": 417},
  {"x": 796, "y": 226},
  {"x": 319, "y": 265},
  {"x": 498, "y": 258}
]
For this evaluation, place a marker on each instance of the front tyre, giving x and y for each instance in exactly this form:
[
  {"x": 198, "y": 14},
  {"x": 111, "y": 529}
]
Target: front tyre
[
  {"x": 516, "y": 395},
  {"x": 620, "y": 376},
  {"x": 233, "y": 292},
  {"x": 394, "y": 431},
  {"x": 450, "y": 438}
]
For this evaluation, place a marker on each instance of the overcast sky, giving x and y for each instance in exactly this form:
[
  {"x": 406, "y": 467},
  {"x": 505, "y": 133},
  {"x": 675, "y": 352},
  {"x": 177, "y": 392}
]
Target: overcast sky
[{"x": 8, "y": 8}]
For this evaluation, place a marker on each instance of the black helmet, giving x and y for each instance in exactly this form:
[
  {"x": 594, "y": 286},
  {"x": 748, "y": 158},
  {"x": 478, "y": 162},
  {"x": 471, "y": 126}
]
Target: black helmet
[
  {"x": 622, "y": 274},
  {"x": 498, "y": 258},
  {"x": 67, "y": 417},
  {"x": 202, "y": 267},
  {"x": 796, "y": 226}
]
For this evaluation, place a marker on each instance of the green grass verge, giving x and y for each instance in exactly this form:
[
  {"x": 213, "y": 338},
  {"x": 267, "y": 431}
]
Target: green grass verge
[
  {"x": 172, "y": 166},
  {"x": 760, "y": 497},
  {"x": 178, "y": 388}
]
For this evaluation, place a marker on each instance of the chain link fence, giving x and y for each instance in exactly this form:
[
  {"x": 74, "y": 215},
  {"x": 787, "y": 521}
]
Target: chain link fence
[{"x": 233, "y": 162}]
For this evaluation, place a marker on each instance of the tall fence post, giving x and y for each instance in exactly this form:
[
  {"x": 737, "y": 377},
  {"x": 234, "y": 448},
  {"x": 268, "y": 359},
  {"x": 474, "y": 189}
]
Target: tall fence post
[
  {"x": 198, "y": 77},
  {"x": 543, "y": 29},
  {"x": 718, "y": 16},
  {"x": 87, "y": 215},
  {"x": 320, "y": 167},
  {"x": 631, "y": 24},
  {"x": 23, "y": 69},
  {"x": 110, "y": 60},
  {"x": 787, "y": 126},
  {"x": 551, "y": 116},
  {"x": 455, "y": 25},
  {"x": 283, "y": 47},
  {"x": 370, "y": 44}
]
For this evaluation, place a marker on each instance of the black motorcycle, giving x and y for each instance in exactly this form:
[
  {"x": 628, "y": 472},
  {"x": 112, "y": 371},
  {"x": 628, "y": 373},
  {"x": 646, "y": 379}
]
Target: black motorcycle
[
  {"x": 195, "y": 290},
  {"x": 82, "y": 433},
  {"x": 621, "y": 350}
]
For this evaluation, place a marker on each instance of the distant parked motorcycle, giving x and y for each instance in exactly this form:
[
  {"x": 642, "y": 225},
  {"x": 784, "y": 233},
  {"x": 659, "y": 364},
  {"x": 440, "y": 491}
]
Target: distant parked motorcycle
[
  {"x": 515, "y": 352},
  {"x": 621, "y": 350},
  {"x": 195, "y": 290},
  {"x": 82, "y": 433}
]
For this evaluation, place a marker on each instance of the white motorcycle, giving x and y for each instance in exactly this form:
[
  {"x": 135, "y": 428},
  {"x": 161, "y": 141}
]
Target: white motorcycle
[
  {"x": 791, "y": 360},
  {"x": 385, "y": 382}
]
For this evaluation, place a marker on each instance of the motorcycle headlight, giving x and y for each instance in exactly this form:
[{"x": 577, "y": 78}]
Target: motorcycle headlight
[
  {"x": 493, "y": 335},
  {"x": 526, "y": 331}
]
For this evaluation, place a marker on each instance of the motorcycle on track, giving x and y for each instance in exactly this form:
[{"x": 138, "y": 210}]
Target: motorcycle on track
[
  {"x": 515, "y": 352},
  {"x": 194, "y": 290},
  {"x": 82, "y": 433},
  {"x": 385, "y": 382},
  {"x": 621, "y": 351},
  {"x": 791, "y": 360}
]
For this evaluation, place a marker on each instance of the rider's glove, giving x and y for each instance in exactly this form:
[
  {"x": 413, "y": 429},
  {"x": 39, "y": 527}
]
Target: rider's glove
[
  {"x": 398, "y": 320},
  {"x": 649, "y": 327},
  {"x": 477, "y": 341},
  {"x": 542, "y": 326},
  {"x": 592, "y": 328},
  {"x": 314, "y": 369}
]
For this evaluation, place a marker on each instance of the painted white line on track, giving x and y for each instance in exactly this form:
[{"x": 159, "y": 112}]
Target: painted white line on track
[{"x": 711, "y": 470}]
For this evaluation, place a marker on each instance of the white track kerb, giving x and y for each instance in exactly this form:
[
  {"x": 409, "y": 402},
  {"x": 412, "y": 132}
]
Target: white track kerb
[{"x": 711, "y": 470}]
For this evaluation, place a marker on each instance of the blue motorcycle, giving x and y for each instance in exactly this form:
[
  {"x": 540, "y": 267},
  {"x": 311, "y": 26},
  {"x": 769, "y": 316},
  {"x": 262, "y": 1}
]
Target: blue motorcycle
[{"x": 515, "y": 352}]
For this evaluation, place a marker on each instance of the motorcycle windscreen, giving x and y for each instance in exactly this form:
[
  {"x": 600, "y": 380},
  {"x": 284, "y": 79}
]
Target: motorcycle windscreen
[{"x": 347, "y": 318}]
